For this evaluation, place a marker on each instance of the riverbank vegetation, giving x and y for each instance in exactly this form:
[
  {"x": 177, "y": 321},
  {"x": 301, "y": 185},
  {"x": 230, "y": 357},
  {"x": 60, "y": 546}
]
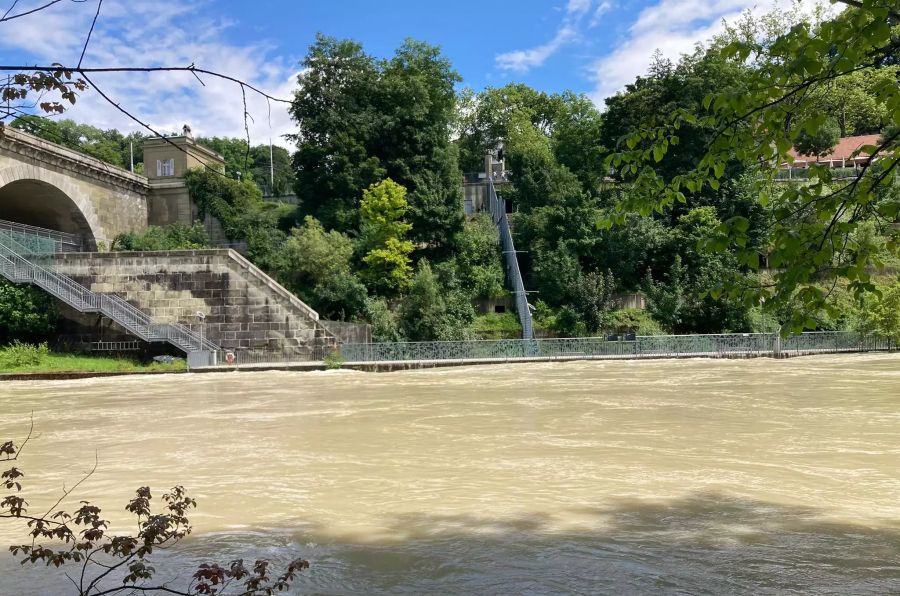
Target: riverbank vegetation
[
  {"x": 23, "y": 358},
  {"x": 669, "y": 191}
]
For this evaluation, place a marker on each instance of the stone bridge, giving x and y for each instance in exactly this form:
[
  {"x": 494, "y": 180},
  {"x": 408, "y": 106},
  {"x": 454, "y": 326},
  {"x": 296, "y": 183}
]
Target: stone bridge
[{"x": 48, "y": 186}]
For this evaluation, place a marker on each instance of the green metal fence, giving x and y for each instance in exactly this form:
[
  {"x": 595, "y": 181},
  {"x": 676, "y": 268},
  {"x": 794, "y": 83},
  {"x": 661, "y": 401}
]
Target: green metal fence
[{"x": 749, "y": 344}]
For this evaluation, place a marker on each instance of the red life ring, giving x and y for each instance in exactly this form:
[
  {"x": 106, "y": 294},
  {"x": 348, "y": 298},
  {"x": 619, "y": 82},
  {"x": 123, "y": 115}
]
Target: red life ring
[{"x": 229, "y": 358}]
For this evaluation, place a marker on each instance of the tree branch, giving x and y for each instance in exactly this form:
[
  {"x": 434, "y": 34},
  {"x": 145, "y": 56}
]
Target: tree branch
[
  {"x": 90, "y": 32},
  {"x": 28, "y": 12},
  {"x": 149, "y": 69}
]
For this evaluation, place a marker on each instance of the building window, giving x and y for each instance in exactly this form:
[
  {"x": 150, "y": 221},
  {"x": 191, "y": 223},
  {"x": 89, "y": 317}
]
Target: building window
[{"x": 165, "y": 167}]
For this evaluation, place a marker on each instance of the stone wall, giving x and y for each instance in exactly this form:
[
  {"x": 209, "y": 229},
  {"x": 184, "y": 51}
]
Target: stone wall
[
  {"x": 108, "y": 200},
  {"x": 245, "y": 309}
]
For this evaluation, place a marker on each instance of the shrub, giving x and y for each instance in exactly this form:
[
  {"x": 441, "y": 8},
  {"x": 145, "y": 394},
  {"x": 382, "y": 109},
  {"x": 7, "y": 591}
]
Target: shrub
[
  {"x": 633, "y": 320},
  {"x": 172, "y": 237},
  {"x": 19, "y": 355},
  {"x": 334, "y": 360},
  {"x": 385, "y": 324},
  {"x": 498, "y": 326}
]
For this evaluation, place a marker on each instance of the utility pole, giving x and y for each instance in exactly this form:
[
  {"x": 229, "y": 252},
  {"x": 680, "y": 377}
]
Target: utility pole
[
  {"x": 131, "y": 149},
  {"x": 271, "y": 169}
]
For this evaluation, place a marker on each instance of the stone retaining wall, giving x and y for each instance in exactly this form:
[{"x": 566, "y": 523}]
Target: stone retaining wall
[{"x": 245, "y": 309}]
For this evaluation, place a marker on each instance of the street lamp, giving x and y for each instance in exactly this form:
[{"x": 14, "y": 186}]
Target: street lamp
[{"x": 201, "y": 317}]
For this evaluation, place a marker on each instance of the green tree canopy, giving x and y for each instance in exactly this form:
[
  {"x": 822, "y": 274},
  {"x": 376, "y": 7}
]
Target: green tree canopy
[
  {"x": 27, "y": 313},
  {"x": 110, "y": 146},
  {"x": 361, "y": 120},
  {"x": 383, "y": 230},
  {"x": 811, "y": 237},
  {"x": 316, "y": 265},
  {"x": 818, "y": 142}
]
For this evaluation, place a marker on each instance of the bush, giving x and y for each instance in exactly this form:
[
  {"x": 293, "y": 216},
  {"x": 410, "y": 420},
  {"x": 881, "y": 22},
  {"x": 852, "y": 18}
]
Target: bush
[
  {"x": 385, "y": 325},
  {"x": 334, "y": 360},
  {"x": 633, "y": 320},
  {"x": 497, "y": 326},
  {"x": 240, "y": 208},
  {"x": 171, "y": 237},
  {"x": 19, "y": 355},
  {"x": 479, "y": 261},
  {"x": 762, "y": 321}
]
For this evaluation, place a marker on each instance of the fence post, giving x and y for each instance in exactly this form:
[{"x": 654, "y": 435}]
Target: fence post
[{"x": 776, "y": 346}]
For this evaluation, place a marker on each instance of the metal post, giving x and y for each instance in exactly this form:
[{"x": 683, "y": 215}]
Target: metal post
[{"x": 271, "y": 169}]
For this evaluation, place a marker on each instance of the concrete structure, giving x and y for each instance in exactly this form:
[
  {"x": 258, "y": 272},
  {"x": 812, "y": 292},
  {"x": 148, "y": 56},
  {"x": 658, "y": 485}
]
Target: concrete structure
[
  {"x": 244, "y": 308},
  {"x": 45, "y": 185}
]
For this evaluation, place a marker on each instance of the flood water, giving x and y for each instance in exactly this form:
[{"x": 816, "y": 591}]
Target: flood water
[{"x": 673, "y": 477}]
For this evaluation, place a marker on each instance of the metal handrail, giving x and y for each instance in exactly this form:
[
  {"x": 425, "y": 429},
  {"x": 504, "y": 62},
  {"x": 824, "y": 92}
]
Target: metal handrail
[
  {"x": 514, "y": 275},
  {"x": 16, "y": 266},
  {"x": 65, "y": 242}
]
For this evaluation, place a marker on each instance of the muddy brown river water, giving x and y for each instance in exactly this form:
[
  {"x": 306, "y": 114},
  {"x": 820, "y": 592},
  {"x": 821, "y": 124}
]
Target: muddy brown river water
[{"x": 651, "y": 477}]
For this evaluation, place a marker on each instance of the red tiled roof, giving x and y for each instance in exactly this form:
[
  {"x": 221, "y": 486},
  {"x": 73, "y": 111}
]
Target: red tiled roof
[{"x": 845, "y": 149}]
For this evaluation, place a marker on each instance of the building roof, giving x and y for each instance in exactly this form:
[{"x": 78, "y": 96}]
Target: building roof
[{"x": 844, "y": 150}]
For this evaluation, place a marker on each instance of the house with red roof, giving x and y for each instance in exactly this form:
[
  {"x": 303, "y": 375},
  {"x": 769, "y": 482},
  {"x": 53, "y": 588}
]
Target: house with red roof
[{"x": 845, "y": 154}]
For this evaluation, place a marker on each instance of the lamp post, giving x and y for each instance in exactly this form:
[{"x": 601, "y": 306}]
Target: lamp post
[{"x": 201, "y": 317}]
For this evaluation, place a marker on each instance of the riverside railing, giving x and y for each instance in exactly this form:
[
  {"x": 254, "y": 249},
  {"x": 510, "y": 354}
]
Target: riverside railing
[
  {"x": 514, "y": 275},
  {"x": 736, "y": 345},
  {"x": 750, "y": 344}
]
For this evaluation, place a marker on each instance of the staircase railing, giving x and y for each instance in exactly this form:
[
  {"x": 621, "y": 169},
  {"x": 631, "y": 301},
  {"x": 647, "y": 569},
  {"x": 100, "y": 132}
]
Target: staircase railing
[
  {"x": 60, "y": 241},
  {"x": 32, "y": 261},
  {"x": 513, "y": 274}
]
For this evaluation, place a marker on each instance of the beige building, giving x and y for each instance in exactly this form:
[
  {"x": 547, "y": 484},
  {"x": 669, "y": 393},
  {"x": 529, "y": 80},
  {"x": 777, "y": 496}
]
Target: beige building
[{"x": 166, "y": 161}]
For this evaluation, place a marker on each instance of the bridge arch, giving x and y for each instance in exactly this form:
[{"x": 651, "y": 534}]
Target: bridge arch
[{"x": 43, "y": 198}]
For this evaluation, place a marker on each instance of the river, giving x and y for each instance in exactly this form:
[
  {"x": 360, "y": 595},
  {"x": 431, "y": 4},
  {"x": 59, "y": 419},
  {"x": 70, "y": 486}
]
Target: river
[{"x": 673, "y": 477}]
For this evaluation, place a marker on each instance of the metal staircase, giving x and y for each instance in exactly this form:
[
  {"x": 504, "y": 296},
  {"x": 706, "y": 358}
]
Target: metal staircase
[
  {"x": 513, "y": 275},
  {"x": 28, "y": 258}
]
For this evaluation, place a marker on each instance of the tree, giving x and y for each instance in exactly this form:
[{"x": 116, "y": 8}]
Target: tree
[
  {"x": 362, "y": 120},
  {"x": 433, "y": 312},
  {"x": 27, "y": 313},
  {"x": 316, "y": 265},
  {"x": 478, "y": 258},
  {"x": 383, "y": 237},
  {"x": 240, "y": 209},
  {"x": 107, "y": 563},
  {"x": 812, "y": 229},
  {"x": 880, "y": 314},
  {"x": 110, "y": 145},
  {"x": 570, "y": 123},
  {"x": 261, "y": 170},
  {"x": 819, "y": 142}
]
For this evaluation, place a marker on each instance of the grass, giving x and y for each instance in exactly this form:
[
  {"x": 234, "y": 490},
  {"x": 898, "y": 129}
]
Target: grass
[
  {"x": 497, "y": 326},
  {"x": 39, "y": 360}
]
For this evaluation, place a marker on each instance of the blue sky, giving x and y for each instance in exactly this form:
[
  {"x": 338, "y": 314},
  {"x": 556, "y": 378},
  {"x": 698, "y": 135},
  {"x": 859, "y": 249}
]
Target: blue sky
[{"x": 589, "y": 46}]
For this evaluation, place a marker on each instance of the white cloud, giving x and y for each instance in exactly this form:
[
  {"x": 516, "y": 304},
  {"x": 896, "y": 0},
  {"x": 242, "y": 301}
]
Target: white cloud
[
  {"x": 673, "y": 27},
  {"x": 141, "y": 34},
  {"x": 521, "y": 61},
  {"x": 602, "y": 8}
]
